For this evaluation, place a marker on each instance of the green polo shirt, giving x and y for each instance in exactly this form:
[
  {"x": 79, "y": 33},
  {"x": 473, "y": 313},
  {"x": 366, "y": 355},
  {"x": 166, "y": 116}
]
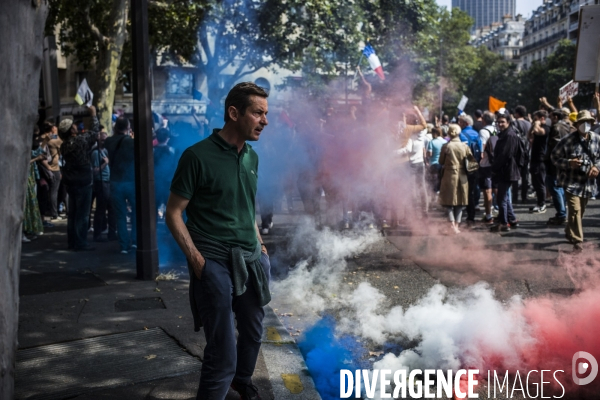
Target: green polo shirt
[{"x": 221, "y": 187}]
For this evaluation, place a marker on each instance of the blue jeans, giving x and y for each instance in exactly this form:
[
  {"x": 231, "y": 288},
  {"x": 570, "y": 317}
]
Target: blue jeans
[
  {"x": 506, "y": 213},
  {"x": 558, "y": 196},
  {"x": 80, "y": 202},
  {"x": 120, "y": 194},
  {"x": 224, "y": 361}
]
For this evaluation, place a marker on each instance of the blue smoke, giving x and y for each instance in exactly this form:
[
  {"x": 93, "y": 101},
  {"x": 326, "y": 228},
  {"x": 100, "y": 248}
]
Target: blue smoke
[{"x": 326, "y": 355}]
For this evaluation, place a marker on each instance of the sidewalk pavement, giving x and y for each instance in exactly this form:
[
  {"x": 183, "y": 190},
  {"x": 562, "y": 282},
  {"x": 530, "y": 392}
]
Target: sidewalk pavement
[{"x": 89, "y": 330}]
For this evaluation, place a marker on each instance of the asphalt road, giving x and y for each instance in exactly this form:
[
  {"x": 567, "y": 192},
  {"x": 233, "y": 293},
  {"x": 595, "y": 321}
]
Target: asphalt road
[{"x": 406, "y": 262}]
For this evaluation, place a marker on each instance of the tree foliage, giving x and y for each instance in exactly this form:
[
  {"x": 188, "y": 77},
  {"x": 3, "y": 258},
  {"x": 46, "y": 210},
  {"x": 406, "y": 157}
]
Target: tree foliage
[
  {"x": 545, "y": 78},
  {"x": 95, "y": 33}
]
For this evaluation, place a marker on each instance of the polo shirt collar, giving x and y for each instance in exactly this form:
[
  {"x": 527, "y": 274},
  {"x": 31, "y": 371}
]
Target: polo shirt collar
[{"x": 216, "y": 138}]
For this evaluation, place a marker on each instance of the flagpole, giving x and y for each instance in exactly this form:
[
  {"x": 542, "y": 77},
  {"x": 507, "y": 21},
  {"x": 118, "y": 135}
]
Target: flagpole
[{"x": 358, "y": 65}]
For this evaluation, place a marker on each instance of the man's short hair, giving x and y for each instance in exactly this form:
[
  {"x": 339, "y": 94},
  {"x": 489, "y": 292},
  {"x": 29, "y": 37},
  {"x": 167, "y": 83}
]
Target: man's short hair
[
  {"x": 478, "y": 113},
  {"x": 162, "y": 135},
  {"x": 521, "y": 111},
  {"x": 466, "y": 119},
  {"x": 239, "y": 97},
  {"x": 541, "y": 114},
  {"x": 121, "y": 125},
  {"x": 488, "y": 118},
  {"x": 436, "y": 132},
  {"x": 445, "y": 119}
]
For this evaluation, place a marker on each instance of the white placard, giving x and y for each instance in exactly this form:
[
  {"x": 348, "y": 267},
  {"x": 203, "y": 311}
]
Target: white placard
[
  {"x": 571, "y": 89},
  {"x": 588, "y": 44},
  {"x": 463, "y": 103}
]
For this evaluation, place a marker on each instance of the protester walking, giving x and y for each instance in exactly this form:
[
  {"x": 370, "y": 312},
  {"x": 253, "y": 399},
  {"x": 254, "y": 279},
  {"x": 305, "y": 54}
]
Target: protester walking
[
  {"x": 561, "y": 128},
  {"x": 454, "y": 188},
  {"x": 506, "y": 171},
  {"x": 578, "y": 158}
]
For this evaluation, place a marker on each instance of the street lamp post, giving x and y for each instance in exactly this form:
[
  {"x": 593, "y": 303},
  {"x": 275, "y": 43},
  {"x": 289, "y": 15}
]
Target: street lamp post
[{"x": 147, "y": 251}]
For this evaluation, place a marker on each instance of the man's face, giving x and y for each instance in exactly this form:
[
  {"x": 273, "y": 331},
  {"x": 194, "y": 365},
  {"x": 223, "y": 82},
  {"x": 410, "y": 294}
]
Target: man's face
[
  {"x": 554, "y": 119},
  {"x": 102, "y": 137},
  {"x": 502, "y": 123},
  {"x": 462, "y": 124},
  {"x": 254, "y": 119}
]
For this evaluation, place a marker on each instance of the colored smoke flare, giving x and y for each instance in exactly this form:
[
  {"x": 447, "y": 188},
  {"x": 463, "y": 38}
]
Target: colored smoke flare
[{"x": 326, "y": 355}]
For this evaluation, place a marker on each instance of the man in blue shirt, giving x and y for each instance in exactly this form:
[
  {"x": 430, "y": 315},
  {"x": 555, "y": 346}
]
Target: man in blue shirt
[{"x": 471, "y": 137}]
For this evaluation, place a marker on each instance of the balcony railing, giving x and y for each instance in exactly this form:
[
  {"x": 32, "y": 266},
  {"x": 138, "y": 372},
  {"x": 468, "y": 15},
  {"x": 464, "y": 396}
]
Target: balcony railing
[{"x": 540, "y": 43}]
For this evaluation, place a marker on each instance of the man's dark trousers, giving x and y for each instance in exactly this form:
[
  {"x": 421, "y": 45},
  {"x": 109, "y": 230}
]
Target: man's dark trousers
[
  {"x": 223, "y": 360},
  {"x": 524, "y": 185},
  {"x": 538, "y": 180},
  {"x": 120, "y": 194},
  {"x": 80, "y": 200},
  {"x": 103, "y": 205},
  {"x": 474, "y": 194}
]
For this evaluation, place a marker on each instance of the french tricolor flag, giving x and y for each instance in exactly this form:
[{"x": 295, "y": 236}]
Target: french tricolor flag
[{"x": 369, "y": 52}]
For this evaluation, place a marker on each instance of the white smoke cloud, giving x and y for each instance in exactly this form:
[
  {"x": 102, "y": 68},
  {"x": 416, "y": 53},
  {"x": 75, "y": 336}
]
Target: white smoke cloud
[{"x": 314, "y": 284}]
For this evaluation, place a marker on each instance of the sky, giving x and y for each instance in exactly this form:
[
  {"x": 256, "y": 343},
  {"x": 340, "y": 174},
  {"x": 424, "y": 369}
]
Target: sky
[{"x": 524, "y": 7}]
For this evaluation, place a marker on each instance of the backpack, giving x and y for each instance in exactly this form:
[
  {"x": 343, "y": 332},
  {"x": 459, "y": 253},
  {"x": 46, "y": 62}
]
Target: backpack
[
  {"x": 522, "y": 154},
  {"x": 475, "y": 146}
]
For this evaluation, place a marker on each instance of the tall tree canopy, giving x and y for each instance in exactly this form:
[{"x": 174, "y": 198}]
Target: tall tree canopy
[{"x": 95, "y": 32}]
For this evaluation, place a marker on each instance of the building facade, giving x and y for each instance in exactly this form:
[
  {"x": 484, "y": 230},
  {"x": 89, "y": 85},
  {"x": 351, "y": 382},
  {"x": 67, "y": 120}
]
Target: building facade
[
  {"x": 503, "y": 38},
  {"x": 551, "y": 22},
  {"x": 486, "y": 12}
]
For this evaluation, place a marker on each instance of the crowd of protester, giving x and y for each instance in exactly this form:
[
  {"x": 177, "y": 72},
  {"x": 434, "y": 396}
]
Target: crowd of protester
[{"x": 371, "y": 164}]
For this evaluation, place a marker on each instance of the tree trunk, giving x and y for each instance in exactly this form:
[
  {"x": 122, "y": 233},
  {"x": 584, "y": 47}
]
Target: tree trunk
[
  {"x": 109, "y": 58},
  {"x": 21, "y": 49}
]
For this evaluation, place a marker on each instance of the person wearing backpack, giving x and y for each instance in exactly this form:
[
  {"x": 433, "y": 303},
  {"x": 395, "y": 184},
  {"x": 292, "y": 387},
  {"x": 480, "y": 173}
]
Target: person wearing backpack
[
  {"x": 506, "y": 171},
  {"x": 522, "y": 127},
  {"x": 488, "y": 138},
  {"x": 471, "y": 137}
]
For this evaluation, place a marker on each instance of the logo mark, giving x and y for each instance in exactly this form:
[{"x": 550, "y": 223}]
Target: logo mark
[{"x": 583, "y": 367}]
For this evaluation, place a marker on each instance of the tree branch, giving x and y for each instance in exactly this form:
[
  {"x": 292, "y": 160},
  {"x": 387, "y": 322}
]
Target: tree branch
[
  {"x": 204, "y": 43},
  {"x": 103, "y": 40}
]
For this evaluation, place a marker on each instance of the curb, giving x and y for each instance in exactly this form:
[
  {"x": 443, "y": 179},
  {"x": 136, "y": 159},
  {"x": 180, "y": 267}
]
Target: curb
[{"x": 288, "y": 373}]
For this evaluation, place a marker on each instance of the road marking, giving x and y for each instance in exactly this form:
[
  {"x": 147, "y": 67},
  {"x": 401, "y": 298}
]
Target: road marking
[{"x": 292, "y": 383}]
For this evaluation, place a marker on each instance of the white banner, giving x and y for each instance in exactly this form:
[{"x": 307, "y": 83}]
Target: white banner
[
  {"x": 463, "y": 103},
  {"x": 569, "y": 90},
  {"x": 84, "y": 94}
]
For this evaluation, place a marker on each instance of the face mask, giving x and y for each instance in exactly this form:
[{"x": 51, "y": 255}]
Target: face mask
[{"x": 585, "y": 127}]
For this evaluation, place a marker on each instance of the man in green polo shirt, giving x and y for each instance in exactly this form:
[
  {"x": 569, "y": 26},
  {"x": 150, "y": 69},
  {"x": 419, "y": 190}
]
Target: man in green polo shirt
[{"x": 215, "y": 183}]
